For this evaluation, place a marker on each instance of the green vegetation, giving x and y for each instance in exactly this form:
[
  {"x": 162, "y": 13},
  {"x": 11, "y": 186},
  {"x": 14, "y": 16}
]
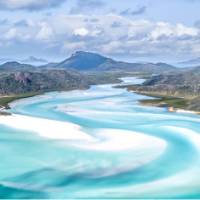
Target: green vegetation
[
  {"x": 174, "y": 102},
  {"x": 164, "y": 98},
  {"x": 4, "y": 101}
]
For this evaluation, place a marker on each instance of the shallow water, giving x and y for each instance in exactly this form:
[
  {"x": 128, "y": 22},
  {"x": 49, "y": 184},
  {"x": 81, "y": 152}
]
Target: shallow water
[{"x": 135, "y": 151}]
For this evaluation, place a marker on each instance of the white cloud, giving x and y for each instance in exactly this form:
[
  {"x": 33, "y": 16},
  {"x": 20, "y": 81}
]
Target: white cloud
[
  {"x": 81, "y": 32},
  {"x": 113, "y": 46},
  {"x": 183, "y": 30},
  {"x": 10, "y": 34},
  {"x": 67, "y": 33},
  {"x": 45, "y": 33},
  {"x": 165, "y": 29}
]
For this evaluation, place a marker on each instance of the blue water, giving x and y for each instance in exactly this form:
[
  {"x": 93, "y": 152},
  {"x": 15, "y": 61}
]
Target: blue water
[{"x": 39, "y": 167}]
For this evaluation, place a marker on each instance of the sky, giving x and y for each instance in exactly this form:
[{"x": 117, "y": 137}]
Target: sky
[{"x": 130, "y": 30}]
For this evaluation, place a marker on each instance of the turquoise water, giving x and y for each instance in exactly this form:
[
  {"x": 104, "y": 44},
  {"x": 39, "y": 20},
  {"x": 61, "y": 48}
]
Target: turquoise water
[{"x": 165, "y": 165}]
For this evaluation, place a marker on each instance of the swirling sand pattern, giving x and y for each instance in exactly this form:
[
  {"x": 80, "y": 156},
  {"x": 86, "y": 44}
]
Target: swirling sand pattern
[{"x": 98, "y": 143}]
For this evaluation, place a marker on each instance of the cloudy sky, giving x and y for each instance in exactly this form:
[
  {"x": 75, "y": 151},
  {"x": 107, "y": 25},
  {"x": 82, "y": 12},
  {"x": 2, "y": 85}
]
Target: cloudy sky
[{"x": 133, "y": 30}]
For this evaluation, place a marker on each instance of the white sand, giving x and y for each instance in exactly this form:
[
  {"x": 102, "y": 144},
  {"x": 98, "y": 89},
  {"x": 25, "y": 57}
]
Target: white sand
[
  {"x": 46, "y": 128},
  {"x": 118, "y": 140},
  {"x": 186, "y": 111},
  {"x": 103, "y": 140}
]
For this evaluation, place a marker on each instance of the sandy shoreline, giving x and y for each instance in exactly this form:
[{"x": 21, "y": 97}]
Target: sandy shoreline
[
  {"x": 172, "y": 109},
  {"x": 187, "y": 111}
]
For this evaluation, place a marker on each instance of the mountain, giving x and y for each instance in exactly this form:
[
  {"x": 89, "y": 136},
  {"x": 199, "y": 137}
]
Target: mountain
[
  {"x": 15, "y": 66},
  {"x": 84, "y": 61},
  {"x": 30, "y": 60},
  {"x": 34, "y": 61},
  {"x": 17, "y": 78},
  {"x": 87, "y": 61}
]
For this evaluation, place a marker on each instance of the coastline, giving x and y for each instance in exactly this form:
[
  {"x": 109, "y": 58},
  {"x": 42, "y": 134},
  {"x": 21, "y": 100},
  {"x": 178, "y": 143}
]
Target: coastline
[
  {"x": 5, "y": 100},
  {"x": 171, "y": 103},
  {"x": 176, "y": 104}
]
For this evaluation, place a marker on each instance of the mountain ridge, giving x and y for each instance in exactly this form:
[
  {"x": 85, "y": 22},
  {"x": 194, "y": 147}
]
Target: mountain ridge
[
  {"x": 85, "y": 61},
  {"x": 89, "y": 61}
]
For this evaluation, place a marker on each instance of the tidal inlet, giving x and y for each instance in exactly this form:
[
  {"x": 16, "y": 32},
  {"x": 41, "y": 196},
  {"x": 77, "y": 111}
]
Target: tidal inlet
[
  {"x": 99, "y": 99},
  {"x": 97, "y": 143}
]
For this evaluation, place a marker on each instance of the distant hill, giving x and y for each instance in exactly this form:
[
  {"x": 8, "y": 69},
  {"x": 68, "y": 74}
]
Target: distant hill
[
  {"x": 15, "y": 66},
  {"x": 18, "y": 78},
  {"x": 184, "y": 85},
  {"x": 31, "y": 60},
  {"x": 87, "y": 61},
  {"x": 19, "y": 82},
  {"x": 179, "y": 83}
]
